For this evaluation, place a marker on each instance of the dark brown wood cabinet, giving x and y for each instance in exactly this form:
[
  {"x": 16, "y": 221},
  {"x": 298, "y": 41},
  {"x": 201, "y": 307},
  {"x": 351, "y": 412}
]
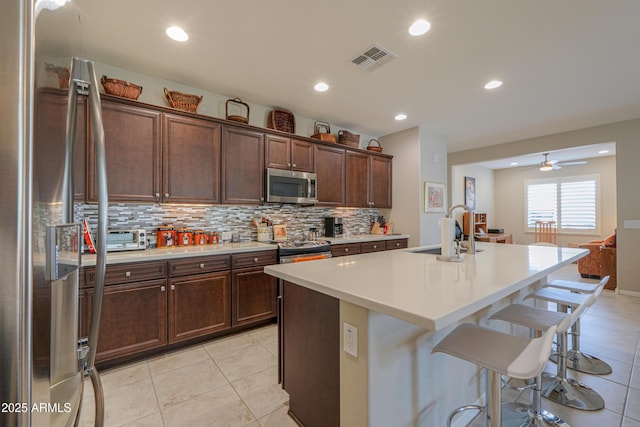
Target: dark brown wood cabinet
[
  {"x": 354, "y": 248},
  {"x": 368, "y": 180},
  {"x": 330, "y": 167},
  {"x": 288, "y": 153},
  {"x": 376, "y": 246},
  {"x": 344, "y": 249},
  {"x": 310, "y": 364},
  {"x": 380, "y": 182},
  {"x": 242, "y": 166},
  {"x": 198, "y": 305},
  {"x": 132, "y": 145},
  {"x": 50, "y": 145},
  {"x": 357, "y": 179},
  {"x": 253, "y": 292},
  {"x": 133, "y": 319},
  {"x": 190, "y": 160}
]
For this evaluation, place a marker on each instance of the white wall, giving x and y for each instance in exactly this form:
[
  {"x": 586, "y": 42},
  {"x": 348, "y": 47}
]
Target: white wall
[
  {"x": 405, "y": 183},
  {"x": 485, "y": 200},
  {"x": 510, "y": 203},
  {"x": 419, "y": 155}
]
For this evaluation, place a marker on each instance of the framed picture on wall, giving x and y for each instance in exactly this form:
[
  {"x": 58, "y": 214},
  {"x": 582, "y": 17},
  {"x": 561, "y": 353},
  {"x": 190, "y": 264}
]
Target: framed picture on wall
[
  {"x": 434, "y": 197},
  {"x": 470, "y": 192}
]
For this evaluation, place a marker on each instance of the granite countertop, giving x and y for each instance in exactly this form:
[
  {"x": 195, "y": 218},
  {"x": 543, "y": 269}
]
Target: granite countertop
[
  {"x": 418, "y": 288},
  {"x": 175, "y": 252},
  {"x": 156, "y": 254}
]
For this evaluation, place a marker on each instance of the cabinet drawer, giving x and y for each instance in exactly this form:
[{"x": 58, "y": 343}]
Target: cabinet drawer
[
  {"x": 253, "y": 259},
  {"x": 127, "y": 273},
  {"x": 346, "y": 249},
  {"x": 199, "y": 265},
  {"x": 397, "y": 244},
  {"x": 373, "y": 246}
]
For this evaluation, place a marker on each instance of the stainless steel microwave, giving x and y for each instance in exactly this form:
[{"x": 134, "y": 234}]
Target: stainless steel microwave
[{"x": 284, "y": 186}]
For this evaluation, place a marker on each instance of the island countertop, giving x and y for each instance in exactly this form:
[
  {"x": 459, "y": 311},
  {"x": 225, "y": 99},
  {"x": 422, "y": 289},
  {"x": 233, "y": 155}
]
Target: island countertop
[{"x": 418, "y": 288}]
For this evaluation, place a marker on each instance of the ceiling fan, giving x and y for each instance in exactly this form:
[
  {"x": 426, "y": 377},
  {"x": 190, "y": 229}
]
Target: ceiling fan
[{"x": 547, "y": 165}]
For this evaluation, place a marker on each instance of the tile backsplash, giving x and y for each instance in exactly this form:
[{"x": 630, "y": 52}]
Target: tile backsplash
[{"x": 236, "y": 219}]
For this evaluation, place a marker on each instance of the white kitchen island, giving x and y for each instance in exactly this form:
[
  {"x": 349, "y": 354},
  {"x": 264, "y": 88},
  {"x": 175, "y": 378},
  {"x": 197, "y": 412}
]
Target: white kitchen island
[{"x": 402, "y": 303}]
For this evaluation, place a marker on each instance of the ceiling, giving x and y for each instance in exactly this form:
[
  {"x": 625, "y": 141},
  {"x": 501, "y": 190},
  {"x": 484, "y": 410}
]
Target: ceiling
[
  {"x": 565, "y": 64},
  {"x": 583, "y": 153}
]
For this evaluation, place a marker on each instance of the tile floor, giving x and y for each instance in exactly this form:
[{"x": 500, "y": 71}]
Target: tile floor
[{"x": 233, "y": 381}]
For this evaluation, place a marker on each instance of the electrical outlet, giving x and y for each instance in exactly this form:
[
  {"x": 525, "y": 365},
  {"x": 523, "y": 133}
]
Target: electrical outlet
[
  {"x": 350, "y": 339},
  {"x": 225, "y": 235}
]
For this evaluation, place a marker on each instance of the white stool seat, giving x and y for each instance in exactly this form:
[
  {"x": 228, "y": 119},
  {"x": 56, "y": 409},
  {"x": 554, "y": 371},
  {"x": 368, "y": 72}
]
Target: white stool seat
[
  {"x": 506, "y": 354},
  {"x": 532, "y": 317},
  {"x": 569, "y": 285},
  {"x": 559, "y": 296},
  {"x": 500, "y": 354}
]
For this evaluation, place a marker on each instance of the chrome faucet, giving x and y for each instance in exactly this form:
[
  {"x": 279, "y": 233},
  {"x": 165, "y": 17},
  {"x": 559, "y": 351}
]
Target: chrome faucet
[{"x": 471, "y": 246}]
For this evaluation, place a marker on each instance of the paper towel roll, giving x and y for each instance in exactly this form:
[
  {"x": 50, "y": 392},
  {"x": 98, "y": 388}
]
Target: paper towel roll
[{"x": 447, "y": 236}]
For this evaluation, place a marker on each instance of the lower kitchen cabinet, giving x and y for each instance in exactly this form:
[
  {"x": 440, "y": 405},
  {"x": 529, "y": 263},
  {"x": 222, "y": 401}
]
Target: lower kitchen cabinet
[
  {"x": 199, "y": 305},
  {"x": 254, "y": 296},
  {"x": 134, "y": 318}
]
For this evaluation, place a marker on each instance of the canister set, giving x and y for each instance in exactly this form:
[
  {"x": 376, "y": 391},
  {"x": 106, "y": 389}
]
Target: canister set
[{"x": 171, "y": 236}]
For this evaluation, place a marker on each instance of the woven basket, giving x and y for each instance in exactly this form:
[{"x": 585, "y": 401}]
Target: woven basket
[
  {"x": 60, "y": 73},
  {"x": 183, "y": 101},
  {"x": 347, "y": 138},
  {"x": 235, "y": 117},
  {"x": 326, "y": 136},
  {"x": 282, "y": 120},
  {"x": 120, "y": 88},
  {"x": 377, "y": 149}
]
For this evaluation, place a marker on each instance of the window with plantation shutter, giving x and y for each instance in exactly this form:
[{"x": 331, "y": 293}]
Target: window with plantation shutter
[{"x": 572, "y": 202}]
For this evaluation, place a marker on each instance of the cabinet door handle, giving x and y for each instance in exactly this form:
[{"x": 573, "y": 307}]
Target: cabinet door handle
[
  {"x": 289, "y": 165},
  {"x": 127, "y": 274},
  {"x": 173, "y": 287},
  {"x": 255, "y": 259},
  {"x": 346, "y": 249},
  {"x": 294, "y": 165},
  {"x": 201, "y": 265},
  {"x": 157, "y": 196},
  {"x": 375, "y": 246},
  {"x": 162, "y": 289},
  {"x": 166, "y": 195}
]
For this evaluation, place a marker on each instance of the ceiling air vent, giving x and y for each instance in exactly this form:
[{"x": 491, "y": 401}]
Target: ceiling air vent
[{"x": 373, "y": 58}]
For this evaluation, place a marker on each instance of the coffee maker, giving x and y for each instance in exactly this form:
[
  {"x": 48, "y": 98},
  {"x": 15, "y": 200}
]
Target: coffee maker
[{"x": 333, "y": 226}]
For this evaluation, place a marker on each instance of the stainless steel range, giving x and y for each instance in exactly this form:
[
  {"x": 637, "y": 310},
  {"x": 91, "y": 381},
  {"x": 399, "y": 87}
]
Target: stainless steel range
[{"x": 303, "y": 250}]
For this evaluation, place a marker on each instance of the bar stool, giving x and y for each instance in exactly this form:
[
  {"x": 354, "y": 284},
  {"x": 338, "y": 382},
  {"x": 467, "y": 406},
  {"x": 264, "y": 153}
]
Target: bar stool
[
  {"x": 537, "y": 320},
  {"x": 558, "y": 387},
  {"x": 576, "y": 359},
  {"x": 501, "y": 354}
]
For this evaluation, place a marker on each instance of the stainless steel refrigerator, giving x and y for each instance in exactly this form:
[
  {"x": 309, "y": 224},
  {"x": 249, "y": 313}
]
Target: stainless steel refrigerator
[{"x": 43, "y": 358}]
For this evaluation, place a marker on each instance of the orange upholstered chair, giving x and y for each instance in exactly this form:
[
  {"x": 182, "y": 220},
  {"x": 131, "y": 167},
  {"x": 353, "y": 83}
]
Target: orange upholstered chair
[{"x": 600, "y": 261}]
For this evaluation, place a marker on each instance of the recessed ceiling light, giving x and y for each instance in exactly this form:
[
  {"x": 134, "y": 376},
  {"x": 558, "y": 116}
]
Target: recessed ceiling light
[
  {"x": 420, "y": 27},
  {"x": 603, "y": 151},
  {"x": 514, "y": 163},
  {"x": 177, "y": 34},
  {"x": 401, "y": 116},
  {"x": 493, "y": 84},
  {"x": 321, "y": 87}
]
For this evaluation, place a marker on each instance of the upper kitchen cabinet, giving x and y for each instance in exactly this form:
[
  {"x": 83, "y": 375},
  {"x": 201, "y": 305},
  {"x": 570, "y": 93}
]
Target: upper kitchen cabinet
[
  {"x": 330, "y": 168},
  {"x": 242, "y": 166},
  {"x": 50, "y": 143},
  {"x": 190, "y": 160},
  {"x": 288, "y": 153},
  {"x": 380, "y": 182},
  {"x": 368, "y": 180},
  {"x": 357, "y": 179},
  {"x": 132, "y": 145}
]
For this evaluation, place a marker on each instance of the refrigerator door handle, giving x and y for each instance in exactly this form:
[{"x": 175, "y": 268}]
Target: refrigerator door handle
[{"x": 82, "y": 72}]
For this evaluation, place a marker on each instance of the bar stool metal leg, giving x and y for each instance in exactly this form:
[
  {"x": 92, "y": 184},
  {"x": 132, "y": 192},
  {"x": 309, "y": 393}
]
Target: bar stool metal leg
[{"x": 568, "y": 391}]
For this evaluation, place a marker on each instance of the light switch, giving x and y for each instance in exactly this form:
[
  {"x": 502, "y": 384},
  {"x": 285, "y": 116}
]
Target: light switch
[{"x": 350, "y": 339}]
